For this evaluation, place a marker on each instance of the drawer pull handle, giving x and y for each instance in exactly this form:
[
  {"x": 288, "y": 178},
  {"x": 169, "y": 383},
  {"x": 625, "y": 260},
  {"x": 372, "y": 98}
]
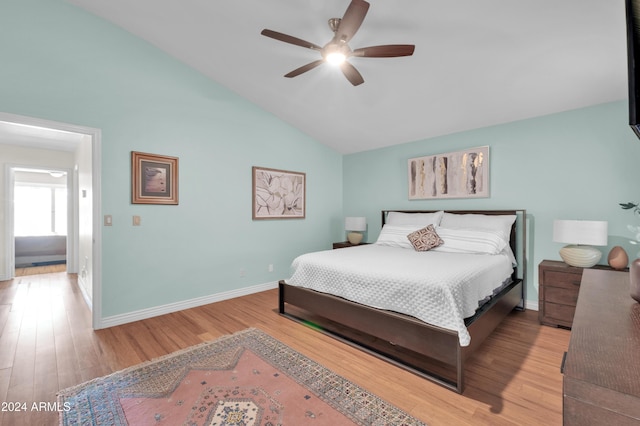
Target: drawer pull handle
[
  {"x": 575, "y": 282},
  {"x": 564, "y": 359}
]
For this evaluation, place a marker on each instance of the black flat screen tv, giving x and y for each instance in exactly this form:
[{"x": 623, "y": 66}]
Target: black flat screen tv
[{"x": 633, "y": 56}]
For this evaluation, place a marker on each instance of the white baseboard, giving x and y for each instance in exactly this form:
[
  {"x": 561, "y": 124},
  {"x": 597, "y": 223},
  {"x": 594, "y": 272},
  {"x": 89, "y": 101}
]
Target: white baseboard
[
  {"x": 179, "y": 306},
  {"x": 530, "y": 304},
  {"x": 82, "y": 284}
]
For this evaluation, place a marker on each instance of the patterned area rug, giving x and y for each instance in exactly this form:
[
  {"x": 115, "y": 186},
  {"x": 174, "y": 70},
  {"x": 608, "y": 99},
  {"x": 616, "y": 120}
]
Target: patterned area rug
[{"x": 245, "y": 379}]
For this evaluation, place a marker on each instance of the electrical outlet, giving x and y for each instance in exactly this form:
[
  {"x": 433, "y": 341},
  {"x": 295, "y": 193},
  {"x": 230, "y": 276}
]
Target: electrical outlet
[
  {"x": 108, "y": 220},
  {"x": 270, "y": 267},
  {"x": 136, "y": 221}
]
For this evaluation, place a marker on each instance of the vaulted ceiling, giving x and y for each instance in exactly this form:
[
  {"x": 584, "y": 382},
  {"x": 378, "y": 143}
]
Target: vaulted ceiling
[{"x": 476, "y": 63}]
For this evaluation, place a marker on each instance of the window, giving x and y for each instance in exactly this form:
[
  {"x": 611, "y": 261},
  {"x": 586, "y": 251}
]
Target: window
[{"x": 40, "y": 209}]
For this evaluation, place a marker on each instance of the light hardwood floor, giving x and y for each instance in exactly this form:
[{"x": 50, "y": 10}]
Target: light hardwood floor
[{"x": 47, "y": 344}]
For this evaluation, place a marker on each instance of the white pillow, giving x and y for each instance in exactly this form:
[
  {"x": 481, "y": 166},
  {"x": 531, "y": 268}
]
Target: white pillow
[
  {"x": 500, "y": 224},
  {"x": 396, "y": 236},
  {"x": 509, "y": 253},
  {"x": 419, "y": 219},
  {"x": 469, "y": 241}
]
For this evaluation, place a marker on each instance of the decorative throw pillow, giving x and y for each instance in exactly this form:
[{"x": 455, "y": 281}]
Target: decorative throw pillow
[{"x": 425, "y": 239}]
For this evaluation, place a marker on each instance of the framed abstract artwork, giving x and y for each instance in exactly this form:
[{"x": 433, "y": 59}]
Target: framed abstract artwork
[
  {"x": 460, "y": 174},
  {"x": 278, "y": 194},
  {"x": 154, "y": 179}
]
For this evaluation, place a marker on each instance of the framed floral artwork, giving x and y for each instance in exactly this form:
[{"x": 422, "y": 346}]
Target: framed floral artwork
[
  {"x": 278, "y": 194},
  {"x": 154, "y": 179}
]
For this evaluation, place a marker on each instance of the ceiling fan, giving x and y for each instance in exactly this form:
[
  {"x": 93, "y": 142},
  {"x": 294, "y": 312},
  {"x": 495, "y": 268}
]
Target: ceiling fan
[{"x": 337, "y": 51}]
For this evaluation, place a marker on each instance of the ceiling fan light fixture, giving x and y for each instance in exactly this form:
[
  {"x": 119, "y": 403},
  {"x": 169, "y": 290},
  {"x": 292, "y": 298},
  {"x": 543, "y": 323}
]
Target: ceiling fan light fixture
[
  {"x": 336, "y": 58},
  {"x": 335, "y": 53}
]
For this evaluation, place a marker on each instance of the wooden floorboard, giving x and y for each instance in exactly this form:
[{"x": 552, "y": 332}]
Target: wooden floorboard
[{"x": 47, "y": 344}]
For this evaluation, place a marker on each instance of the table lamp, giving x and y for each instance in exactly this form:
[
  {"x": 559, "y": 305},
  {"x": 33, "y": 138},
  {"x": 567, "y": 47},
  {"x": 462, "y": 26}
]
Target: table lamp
[
  {"x": 580, "y": 235},
  {"x": 354, "y": 226}
]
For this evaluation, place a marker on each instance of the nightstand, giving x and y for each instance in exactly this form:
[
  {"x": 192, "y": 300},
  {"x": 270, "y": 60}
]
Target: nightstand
[
  {"x": 558, "y": 289},
  {"x": 345, "y": 244}
]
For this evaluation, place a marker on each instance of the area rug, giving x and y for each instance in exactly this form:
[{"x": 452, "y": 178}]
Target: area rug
[{"x": 245, "y": 379}]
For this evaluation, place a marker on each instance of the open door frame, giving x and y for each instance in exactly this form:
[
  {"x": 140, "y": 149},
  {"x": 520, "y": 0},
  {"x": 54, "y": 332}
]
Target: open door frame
[{"x": 94, "y": 138}]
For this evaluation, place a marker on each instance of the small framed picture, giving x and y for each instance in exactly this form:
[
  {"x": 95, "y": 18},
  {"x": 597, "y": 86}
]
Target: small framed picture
[
  {"x": 154, "y": 179},
  {"x": 278, "y": 194}
]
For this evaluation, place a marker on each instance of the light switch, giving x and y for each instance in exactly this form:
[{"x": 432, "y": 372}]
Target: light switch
[
  {"x": 136, "y": 221},
  {"x": 107, "y": 220}
]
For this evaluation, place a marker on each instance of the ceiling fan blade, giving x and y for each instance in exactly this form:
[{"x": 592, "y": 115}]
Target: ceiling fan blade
[
  {"x": 386, "y": 51},
  {"x": 351, "y": 73},
  {"x": 351, "y": 20},
  {"x": 304, "y": 68},
  {"x": 290, "y": 39}
]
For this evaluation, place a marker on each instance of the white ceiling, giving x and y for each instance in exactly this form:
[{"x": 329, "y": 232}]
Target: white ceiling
[{"x": 476, "y": 63}]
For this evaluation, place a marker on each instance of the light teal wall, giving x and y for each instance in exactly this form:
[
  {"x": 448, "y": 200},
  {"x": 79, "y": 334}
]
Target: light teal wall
[
  {"x": 60, "y": 63},
  {"x": 574, "y": 165}
]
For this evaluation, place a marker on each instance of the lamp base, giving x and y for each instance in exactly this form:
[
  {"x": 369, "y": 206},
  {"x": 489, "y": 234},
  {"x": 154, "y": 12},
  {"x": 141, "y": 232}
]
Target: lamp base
[
  {"x": 354, "y": 237},
  {"x": 581, "y": 256}
]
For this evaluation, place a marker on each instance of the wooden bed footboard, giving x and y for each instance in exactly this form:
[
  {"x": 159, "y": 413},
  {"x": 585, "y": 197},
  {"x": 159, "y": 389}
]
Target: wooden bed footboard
[{"x": 429, "y": 351}]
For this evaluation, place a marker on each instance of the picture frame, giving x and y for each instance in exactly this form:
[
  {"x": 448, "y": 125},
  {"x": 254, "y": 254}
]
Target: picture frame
[
  {"x": 459, "y": 174},
  {"x": 278, "y": 194},
  {"x": 154, "y": 179}
]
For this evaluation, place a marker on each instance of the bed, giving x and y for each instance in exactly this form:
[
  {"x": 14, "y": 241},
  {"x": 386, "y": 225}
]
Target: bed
[{"x": 459, "y": 288}]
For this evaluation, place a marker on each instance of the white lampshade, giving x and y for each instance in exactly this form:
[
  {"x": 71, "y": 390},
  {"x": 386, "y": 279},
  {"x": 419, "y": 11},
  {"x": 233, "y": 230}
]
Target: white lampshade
[
  {"x": 591, "y": 232},
  {"x": 580, "y": 235},
  {"x": 355, "y": 223}
]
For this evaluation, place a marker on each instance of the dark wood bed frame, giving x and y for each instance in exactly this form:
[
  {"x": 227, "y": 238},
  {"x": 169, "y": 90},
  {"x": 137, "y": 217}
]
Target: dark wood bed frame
[{"x": 427, "y": 350}]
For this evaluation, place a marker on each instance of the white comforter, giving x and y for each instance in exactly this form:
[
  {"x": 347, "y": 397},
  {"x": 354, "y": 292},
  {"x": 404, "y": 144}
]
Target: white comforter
[{"x": 441, "y": 289}]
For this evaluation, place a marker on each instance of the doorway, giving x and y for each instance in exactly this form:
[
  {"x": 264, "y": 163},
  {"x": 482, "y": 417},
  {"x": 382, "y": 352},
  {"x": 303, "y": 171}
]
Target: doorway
[{"x": 32, "y": 143}]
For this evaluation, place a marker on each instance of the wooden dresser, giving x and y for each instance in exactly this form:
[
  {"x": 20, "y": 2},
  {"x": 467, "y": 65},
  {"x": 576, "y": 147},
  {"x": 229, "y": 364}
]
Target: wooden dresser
[{"x": 601, "y": 383}]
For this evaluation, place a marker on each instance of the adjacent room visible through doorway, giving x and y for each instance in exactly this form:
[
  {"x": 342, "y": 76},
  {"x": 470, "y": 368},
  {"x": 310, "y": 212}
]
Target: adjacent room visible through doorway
[{"x": 40, "y": 200}]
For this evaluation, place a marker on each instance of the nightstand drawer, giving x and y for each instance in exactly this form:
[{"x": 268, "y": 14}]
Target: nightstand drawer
[
  {"x": 560, "y": 314},
  {"x": 561, "y": 295},
  {"x": 562, "y": 279}
]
